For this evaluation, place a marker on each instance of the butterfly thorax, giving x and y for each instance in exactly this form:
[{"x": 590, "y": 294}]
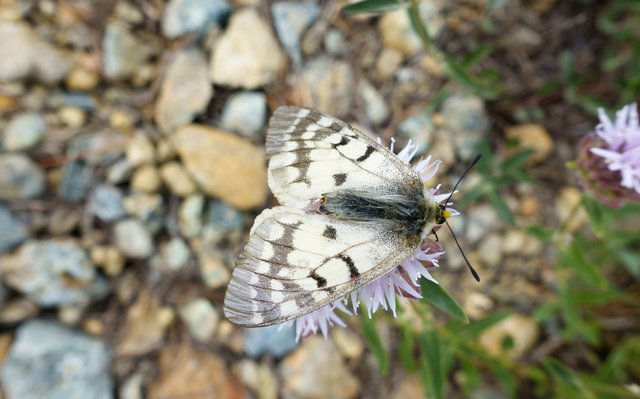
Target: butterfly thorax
[{"x": 410, "y": 213}]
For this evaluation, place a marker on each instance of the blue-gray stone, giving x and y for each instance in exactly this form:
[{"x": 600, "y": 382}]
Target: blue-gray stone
[
  {"x": 419, "y": 129},
  {"x": 290, "y": 19},
  {"x": 245, "y": 112},
  {"x": 12, "y": 231},
  {"x": 275, "y": 341},
  {"x": 106, "y": 203},
  {"x": 221, "y": 220},
  {"x": 20, "y": 177},
  {"x": 467, "y": 120},
  {"x": 185, "y": 16},
  {"x": 23, "y": 132},
  {"x": 75, "y": 180},
  {"x": 49, "y": 361}
]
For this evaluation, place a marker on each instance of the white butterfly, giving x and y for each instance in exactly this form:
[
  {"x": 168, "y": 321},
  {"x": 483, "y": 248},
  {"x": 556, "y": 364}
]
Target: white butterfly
[{"x": 351, "y": 211}]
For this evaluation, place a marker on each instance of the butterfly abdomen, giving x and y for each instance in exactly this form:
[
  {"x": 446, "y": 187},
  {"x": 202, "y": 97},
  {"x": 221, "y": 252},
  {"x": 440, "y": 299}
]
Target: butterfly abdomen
[{"x": 407, "y": 211}]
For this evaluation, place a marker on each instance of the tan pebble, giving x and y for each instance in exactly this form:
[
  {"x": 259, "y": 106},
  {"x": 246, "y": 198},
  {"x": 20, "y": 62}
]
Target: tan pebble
[
  {"x": 523, "y": 330},
  {"x": 114, "y": 262},
  {"x": 529, "y": 206},
  {"x": 99, "y": 255},
  {"x": 531, "y": 136},
  {"x": 388, "y": 62},
  {"x": 569, "y": 210},
  {"x": 140, "y": 150},
  {"x": 73, "y": 117},
  {"x": 94, "y": 327},
  {"x": 80, "y": 79},
  {"x": 122, "y": 120},
  {"x": 176, "y": 178},
  {"x": 146, "y": 179},
  {"x": 165, "y": 150}
]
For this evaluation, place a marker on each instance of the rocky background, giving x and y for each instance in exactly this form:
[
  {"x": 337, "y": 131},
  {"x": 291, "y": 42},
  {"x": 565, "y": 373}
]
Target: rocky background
[{"x": 132, "y": 165}]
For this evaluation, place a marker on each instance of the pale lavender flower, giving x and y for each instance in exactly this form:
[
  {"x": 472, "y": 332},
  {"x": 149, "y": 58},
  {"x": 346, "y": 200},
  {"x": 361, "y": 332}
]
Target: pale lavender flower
[
  {"x": 402, "y": 280},
  {"x": 609, "y": 160}
]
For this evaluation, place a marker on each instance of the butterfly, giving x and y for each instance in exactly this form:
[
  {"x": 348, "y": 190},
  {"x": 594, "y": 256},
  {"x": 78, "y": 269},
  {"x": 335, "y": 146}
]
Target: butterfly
[{"x": 351, "y": 210}]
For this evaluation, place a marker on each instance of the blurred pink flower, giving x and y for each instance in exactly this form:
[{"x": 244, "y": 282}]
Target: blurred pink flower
[{"x": 609, "y": 160}]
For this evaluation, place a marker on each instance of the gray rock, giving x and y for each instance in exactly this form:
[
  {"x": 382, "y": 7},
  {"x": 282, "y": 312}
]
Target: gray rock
[
  {"x": 290, "y": 19},
  {"x": 275, "y": 341},
  {"x": 106, "y": 203},
  {"x": 419, "y": 129},
  {"x": 133, "y": 239},
  {"x": 190, "y": 215},
  {"x": 124, "y": 53},
  {"x": 467, "y": 120},
  {"x": 480, "y": 221},
  {"x": 25, "y": 54},
  {"x": 12, "y": 231},
  {"x": 20, "y": 178},
  {"x": 247, "y": 54},
  {"x": 376, "y": 108},
  {"x": 335, "y": 42},
  {"x": 175, "y": 254},
  {"x": 51, "y": 272},
  {"x": 221, "y": 220},
  {"x": 76, "y": 176},
  {"x": 329, "y": 84},
  {"x": 185, "y": 16},
  {"x": 23, "y": 132},
  {"x": 245, "y": 112},
  {"x": 47, "y": 360},
  {"x": 201, "y": 318},
  {"x": 185, "y": 90}
]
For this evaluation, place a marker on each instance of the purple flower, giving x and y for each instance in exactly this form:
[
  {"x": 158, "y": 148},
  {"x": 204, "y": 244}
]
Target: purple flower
[
  {"x": 609, "y": 160},
  {"x": 401, "y": 280}
]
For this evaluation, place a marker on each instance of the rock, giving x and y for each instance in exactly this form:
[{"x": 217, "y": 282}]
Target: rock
[
  {"x": 64, "y": 220},
  {"x": 225, "y": 166},
  {"x": 349, "y": 344},
  {"x": 245, "y": 112},
  {"x": 185, "y": 91},
  {"x": 316, "y": 370},
  {"x": 25, "y": 54},
  {"x": 23, "y": 132},
  {"x": 149, "y": 208},
  {"x": 110, "y": 259},
  {"x": 327, "y": 85},
  {"x": 51, "y": 272},
  {"x": 106, "y": 203},
  {"x": 467, "y": 121},
  {"x": 73, "y": 117},
  {"x": 258, "y": 377},
  {"x": 75, "y": 181},
  {"x": 530, "y": 136},
  {"x": 518, "y": 242},
  {"x": 290, "y": 20},
  {"x": 490, "y": 249},
  {"x": 247, "y": 55},
  {"x": 477, "y": 305},
  {"x": 124, "y": 53},
  {"x": 569, "y": 210},
  {"x": 82, "y": 79},
  {"x": 388, "y": 62},
  {"x": 398, "y": 34},
  {"x": 275, "y": 341},
  {"x": 133, "y": 239},
  {"x": 47, "y": 360},
  {"x": 18, "y": 310},
  {"x": 20, "y": 178},
  {"x": 186, "y": 16},
  {"x": 201, "y": 318},
  {"x": 140, "y": 150},
  {"x": 522, "y": 330},
  {"x": 335, "y": 43},
  {"x": 175, "y": 254},
  {"x": 480, "y": 221},
  {"x": 145, "y": 325},
  {"x": 419, "y": 129},
  {"x": 206, "y": 373},
  {"x": 411, "y": 387},
  {"x": 190, "y": 215},
  {"x": 376, "y": 107},
  {"x": 12, "y": 230},
  {"x": 222, "y": 222},
  {"x": 120, "y": 172},
  {"x": 176, "y": 178},
  {"x": 146, "y": 179},
  {"x": 213, "y": 270}
]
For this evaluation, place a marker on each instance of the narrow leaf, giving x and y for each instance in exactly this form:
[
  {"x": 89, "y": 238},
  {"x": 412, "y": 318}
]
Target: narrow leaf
[
  {"x": 438, "y": 297},
  {"x": 432, "y": 372},
  {"x": 375, "y": 343},
  {"x": 373, "y": 6}
]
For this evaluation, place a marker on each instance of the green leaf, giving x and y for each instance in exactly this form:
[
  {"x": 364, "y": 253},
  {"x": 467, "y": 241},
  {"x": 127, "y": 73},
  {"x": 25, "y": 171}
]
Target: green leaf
[
  {"x": 405, "y": 350},
  {"x": 501, "y": 208},
  {"x": 375, "y": 343},
  {"x": 541, "y": 233},
  {"x": 373, "y": 6},
  {"x": 433, "y": 376},
  {"x": 438, "y": 297},
  {"x": 475, "y": 328},
  {"x": 417, "y": 25}
]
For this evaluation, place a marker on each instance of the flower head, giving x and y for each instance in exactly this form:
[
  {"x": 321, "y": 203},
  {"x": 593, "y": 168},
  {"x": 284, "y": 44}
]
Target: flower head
[
  {"x": 401, "y": 280},
  {"x": 609, "y": 160}
]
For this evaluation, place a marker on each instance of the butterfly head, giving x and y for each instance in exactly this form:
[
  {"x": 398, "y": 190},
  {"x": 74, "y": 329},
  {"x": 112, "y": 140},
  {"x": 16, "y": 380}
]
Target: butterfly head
[{"x": 442, "y": 213}]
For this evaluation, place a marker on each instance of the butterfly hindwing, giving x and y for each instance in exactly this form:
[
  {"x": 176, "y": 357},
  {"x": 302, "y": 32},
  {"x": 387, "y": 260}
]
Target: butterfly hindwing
[
  {"x": 297, "y": 262},
  {"x": 311, "y": 154}
]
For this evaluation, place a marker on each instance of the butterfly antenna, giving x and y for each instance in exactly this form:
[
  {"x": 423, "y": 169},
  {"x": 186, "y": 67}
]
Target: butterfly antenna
[
  {"x": 471, "y": 165},
  {"x": 471, "y": 269}
]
